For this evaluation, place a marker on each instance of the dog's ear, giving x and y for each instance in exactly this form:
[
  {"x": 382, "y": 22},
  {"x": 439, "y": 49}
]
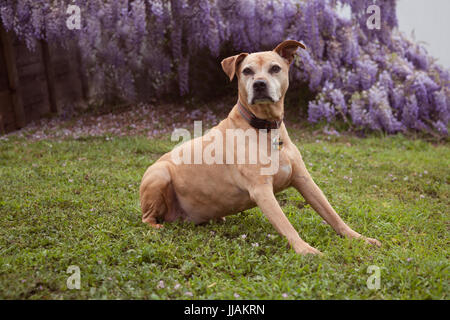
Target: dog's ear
[
  {"x": 287, "y": 48},
  {"x": 230, "y": 64}
]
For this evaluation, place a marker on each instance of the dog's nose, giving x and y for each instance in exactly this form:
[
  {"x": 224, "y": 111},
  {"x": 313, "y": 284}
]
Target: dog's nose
[{"x": 259, "y": 85}]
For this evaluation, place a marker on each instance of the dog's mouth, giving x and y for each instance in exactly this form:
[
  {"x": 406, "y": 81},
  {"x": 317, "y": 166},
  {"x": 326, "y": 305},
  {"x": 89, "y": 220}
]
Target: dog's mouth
[{"x": 262, "y": 99}]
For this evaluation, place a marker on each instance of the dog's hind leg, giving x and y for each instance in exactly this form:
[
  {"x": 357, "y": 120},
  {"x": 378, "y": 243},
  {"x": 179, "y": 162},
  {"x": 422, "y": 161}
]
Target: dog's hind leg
[{"x": 154, "y": 191}]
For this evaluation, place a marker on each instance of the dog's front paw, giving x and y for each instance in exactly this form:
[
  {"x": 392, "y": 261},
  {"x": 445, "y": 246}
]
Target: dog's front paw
[
  {"x": 304, "y": 250},
  {"x": 372, "y": 241},
  {"x": 355, "y": 235}
]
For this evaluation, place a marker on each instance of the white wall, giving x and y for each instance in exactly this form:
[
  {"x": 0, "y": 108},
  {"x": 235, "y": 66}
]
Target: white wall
[{"x": 430, "y": 21}]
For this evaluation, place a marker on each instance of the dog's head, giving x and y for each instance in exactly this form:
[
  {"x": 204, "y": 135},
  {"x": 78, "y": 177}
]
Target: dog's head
[{"x": 263, "y": 77}]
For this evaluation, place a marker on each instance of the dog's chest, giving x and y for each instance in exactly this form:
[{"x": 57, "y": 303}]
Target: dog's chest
[{"x": 282, "y": 177}]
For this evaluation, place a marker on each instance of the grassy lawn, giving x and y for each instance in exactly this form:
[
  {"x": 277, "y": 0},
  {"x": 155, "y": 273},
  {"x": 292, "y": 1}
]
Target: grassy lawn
[{"x": 75, "y": 202}]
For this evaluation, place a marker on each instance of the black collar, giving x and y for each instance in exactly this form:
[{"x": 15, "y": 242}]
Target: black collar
[{"x": 256, "y": 122}]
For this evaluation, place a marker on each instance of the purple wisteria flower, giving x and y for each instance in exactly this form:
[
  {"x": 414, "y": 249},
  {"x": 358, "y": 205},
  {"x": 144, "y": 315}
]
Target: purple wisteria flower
[{"x": 138, "y": 50}]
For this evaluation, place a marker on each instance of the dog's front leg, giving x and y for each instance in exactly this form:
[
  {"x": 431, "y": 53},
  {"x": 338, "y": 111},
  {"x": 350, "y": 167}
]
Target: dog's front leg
[
  {"x": 264, "y": 197},
  {"x": 302, "y": 181}
]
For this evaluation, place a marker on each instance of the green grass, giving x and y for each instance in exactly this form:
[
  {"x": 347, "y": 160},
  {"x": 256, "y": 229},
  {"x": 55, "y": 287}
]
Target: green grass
[{"x": 75, "y": 202}]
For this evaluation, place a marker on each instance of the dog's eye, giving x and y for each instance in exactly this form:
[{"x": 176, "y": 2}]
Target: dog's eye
[
  {"x": 247, "y": 71},
  {"x": 275, "y": 69}
]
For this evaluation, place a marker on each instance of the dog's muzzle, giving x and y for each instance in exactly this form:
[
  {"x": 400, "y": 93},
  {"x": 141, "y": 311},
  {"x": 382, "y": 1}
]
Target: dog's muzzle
[{"x": 260, "y": 94}]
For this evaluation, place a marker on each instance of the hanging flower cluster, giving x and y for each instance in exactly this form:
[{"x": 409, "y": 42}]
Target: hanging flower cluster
[{"x": 376, "y": 79}]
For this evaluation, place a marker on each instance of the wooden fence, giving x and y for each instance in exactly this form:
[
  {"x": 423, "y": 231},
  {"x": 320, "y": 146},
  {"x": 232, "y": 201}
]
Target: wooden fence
[{"x": 36, "y": 83}]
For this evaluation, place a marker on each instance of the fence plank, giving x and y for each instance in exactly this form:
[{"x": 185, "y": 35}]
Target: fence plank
[
  {"x": 50, "y": 74},
  {"x": 13, "y": 77},
  {"x": 81, "y": 74}
]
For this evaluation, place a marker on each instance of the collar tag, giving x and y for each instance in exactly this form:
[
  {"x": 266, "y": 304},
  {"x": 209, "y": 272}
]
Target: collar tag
[{"x": 277, "y": 143}]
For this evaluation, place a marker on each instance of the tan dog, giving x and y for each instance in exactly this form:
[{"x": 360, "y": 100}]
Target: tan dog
[{"x": 204, "y": 191}]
